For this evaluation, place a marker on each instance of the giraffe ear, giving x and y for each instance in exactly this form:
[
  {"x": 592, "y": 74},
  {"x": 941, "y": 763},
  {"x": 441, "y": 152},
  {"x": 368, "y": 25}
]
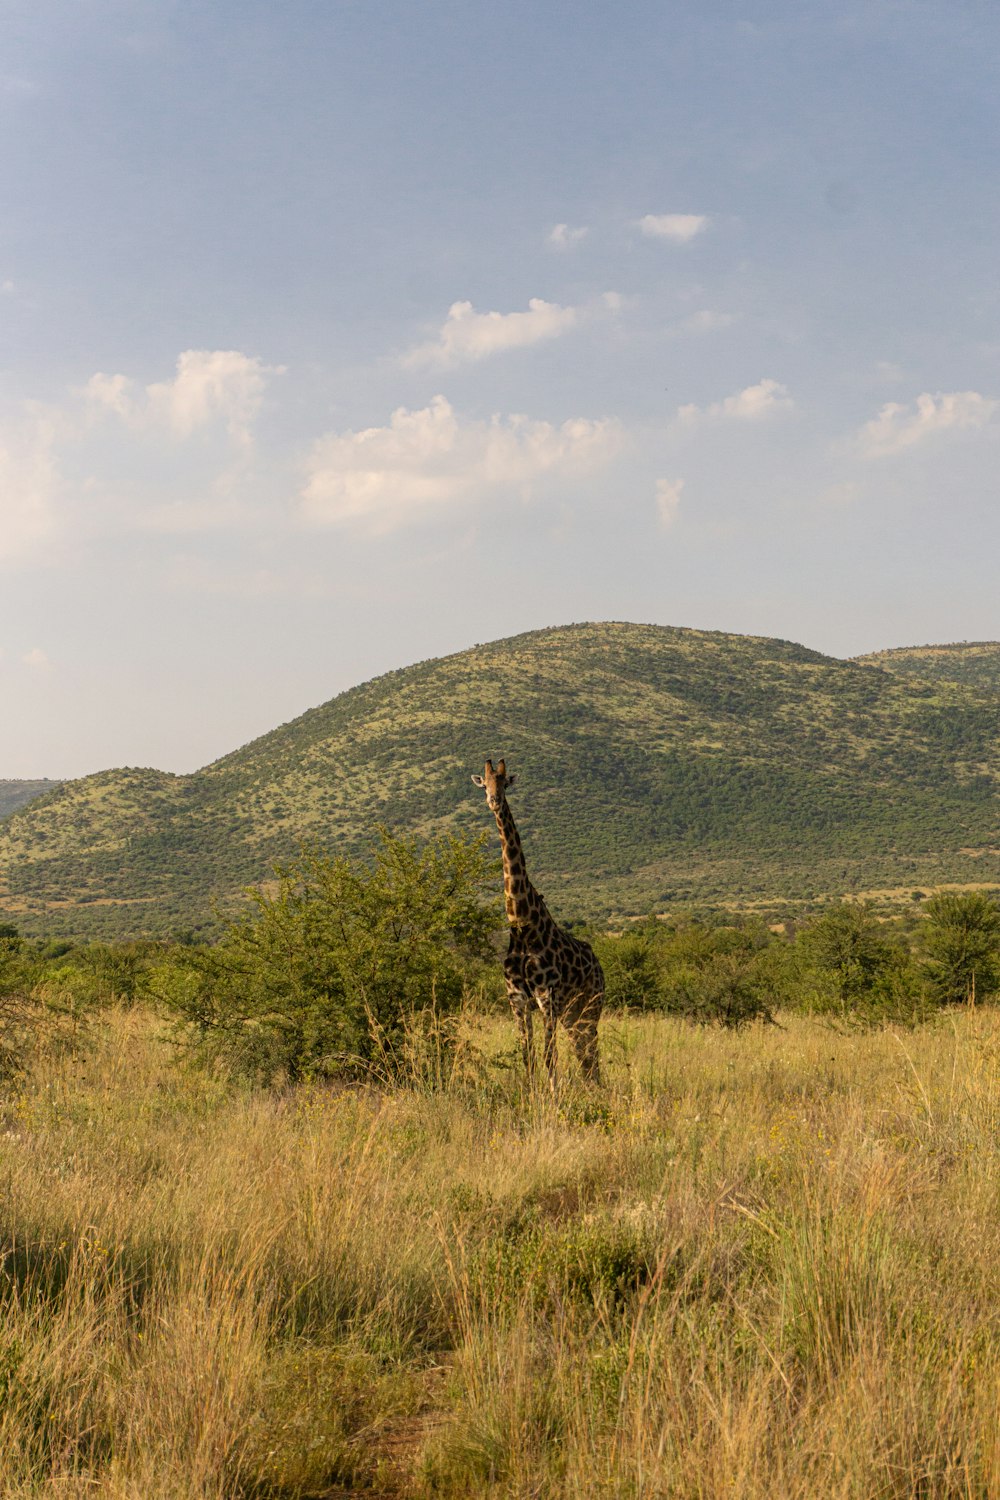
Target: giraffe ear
[
  {"x": 511, "y": 780},
  {"x": 478, "y": 781}
]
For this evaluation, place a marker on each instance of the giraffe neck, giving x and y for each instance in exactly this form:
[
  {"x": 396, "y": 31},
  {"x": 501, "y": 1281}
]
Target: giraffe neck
[{"x": 525, "y": 907}]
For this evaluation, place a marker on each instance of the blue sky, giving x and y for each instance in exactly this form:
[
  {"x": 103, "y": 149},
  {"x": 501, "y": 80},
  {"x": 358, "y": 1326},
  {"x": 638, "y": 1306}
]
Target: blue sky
[{"x": 334, "y": 336}]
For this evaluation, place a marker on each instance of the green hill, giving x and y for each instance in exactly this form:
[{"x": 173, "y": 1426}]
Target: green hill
[
  {"x": 655, "y": 766},
  {"x": 14, "y": 794},
  {"x": 974, "y": 664}
]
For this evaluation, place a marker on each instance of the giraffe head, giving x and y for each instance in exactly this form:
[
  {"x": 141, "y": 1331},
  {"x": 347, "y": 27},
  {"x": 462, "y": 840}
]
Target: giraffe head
[{"x": 495, "y": 783}]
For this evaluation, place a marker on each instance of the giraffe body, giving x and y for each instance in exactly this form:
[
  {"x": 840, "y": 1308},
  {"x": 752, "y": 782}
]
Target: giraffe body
[{"x": 546, "y": 968}]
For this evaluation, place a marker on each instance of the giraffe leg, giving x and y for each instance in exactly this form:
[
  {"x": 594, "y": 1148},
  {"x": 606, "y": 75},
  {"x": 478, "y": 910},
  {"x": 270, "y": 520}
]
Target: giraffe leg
[
  {"x": 550, "y": 1048},
  {"x": 583, "y": 1033},
  {"x": 585, "y": 1044},
  {"x": 524, "y": 1025},
  {"x": 521, "y": 1004}
]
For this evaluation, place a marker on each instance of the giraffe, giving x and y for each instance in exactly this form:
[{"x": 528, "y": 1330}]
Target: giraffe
[{"x": 545, "y": 966}]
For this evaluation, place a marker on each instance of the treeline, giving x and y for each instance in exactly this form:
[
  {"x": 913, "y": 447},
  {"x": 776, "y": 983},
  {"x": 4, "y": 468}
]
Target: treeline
[
  {"x": 370, "y": 968},
  {"x": 845, "y": 964}
]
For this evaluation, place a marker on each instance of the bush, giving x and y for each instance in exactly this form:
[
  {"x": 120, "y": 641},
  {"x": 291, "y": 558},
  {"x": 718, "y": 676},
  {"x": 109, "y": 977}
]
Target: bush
[
  {"x": 345, "y": 967},
  {"x": 728, "y": 975},
  {"x": 16, "y": 1007},
  {"x": 850, "y": 965},
  {"x": 27, "y": 1017},
  {"x": 961, "y": 942},
  {"x": 730, "y": 988},
  {"x": 93, "y": 976},
  {"x": 632, "y": 968},
  {"x": 849, "y": 944}
]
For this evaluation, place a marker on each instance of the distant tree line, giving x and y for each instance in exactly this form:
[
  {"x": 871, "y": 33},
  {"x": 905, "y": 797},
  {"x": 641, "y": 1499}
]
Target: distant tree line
[{"x": 845, "y": 963}]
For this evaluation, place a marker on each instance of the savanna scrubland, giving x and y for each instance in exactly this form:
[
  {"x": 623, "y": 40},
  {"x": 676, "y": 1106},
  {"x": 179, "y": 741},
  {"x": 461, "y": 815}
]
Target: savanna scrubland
[{"x": 282, "y": 1217}]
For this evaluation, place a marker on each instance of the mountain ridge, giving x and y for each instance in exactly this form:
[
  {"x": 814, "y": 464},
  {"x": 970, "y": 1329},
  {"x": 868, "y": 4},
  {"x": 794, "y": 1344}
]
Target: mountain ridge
[
  {"x": 658, "y": 765},
  {"x": 970, "y": 663}
]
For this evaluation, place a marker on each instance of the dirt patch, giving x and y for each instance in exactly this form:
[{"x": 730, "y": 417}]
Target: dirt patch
[{"x": 396, "y": 1448}]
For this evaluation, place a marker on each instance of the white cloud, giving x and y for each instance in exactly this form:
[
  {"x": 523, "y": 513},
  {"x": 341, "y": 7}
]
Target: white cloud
[
  {"x": 64, "y": 474},
  {"x": 7, "y": 287},
  {"x": 425, "y": 461},
  {"x": 678, "y": 228},
  {"x": 764, "y": 399},
  {"x": 213, "y": 384},
  {"x": 668, "y": 499},
  {"x": 37, "y": 660},
  {"x": 707, "y": 321},
  {"x": 210, "y": 385},
  {"x": 29, "y": 483},
  {"x": 565, "y": 237},
  {"x": 109, "y": 393},
  {"x": 898, "y": 427},
  {"x": 209, "y": 512},
  {"x": 468, "y": 335}
]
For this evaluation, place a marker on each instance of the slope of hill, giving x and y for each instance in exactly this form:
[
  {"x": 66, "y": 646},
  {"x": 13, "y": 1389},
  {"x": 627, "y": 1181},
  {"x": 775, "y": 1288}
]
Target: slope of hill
[
  {"x": 656, "y": 765},
  {"x": 15, "y": 794},
  {"x": 974, "y": 664}
]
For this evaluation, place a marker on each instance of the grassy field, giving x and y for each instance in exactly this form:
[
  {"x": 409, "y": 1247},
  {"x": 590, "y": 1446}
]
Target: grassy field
[{"x": 763, "y": 1264}]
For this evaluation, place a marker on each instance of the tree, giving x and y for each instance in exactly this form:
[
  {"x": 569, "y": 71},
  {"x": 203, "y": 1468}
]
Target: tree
[
  {"x": 850, "y": 943},
  {"x": 631, "y": 967},
  {"x": 961, "y": 942},
  {"x": 853, "y": 966},
  {"x": 10, "y": 938},
  {"x": 327, "y": 971}
]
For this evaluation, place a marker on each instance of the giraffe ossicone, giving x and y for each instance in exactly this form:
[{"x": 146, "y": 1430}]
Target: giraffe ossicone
[{"x": 546, "y": 968}]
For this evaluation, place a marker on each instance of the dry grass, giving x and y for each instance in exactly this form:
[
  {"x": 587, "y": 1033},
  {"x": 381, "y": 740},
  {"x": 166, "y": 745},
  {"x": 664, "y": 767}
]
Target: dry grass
[{"x": 755, "y": 1265}]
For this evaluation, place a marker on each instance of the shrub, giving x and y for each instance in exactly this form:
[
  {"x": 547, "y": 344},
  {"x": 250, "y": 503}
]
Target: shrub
[
  {"x": 850, "y": 965},
  {"x": 961, "y": 942},
  {"x": 729, "y": 989},
  {"x": 343, "y": 965},
  {"x": 26, "y": 1015},
  {"x": 15, "y": 1004},
  {"x": 728, "y": 975},
  {"x": 632, "y": 968}
]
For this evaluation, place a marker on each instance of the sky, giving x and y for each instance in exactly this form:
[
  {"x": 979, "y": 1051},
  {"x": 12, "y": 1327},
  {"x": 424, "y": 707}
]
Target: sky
[{"x": 341, "y": 334}]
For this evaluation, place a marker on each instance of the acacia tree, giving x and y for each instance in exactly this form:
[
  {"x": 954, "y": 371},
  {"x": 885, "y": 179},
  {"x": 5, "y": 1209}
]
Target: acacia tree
[
  {"x": 961, "y": 942},
  {"x": 330, "y": 966},
  {"x": 849, "y": 943}
]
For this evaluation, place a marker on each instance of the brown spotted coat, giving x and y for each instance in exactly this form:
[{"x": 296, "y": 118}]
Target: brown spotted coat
[{"x": 545, "y": 968}]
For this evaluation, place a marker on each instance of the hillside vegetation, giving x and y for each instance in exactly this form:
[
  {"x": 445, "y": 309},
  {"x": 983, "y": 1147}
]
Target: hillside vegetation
[
  {"x": 15, "y": 794},
  {"x": 974, "y": 664},
  {"x": 657, "y": 767}
]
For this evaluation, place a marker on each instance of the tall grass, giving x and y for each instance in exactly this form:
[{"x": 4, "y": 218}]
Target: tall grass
[{"x": 757, "y": 1264}]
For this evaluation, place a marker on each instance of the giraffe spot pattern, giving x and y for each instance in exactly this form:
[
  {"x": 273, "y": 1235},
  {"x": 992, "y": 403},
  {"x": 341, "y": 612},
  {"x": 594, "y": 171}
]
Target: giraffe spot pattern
[{"x": 545, "y": 968}]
